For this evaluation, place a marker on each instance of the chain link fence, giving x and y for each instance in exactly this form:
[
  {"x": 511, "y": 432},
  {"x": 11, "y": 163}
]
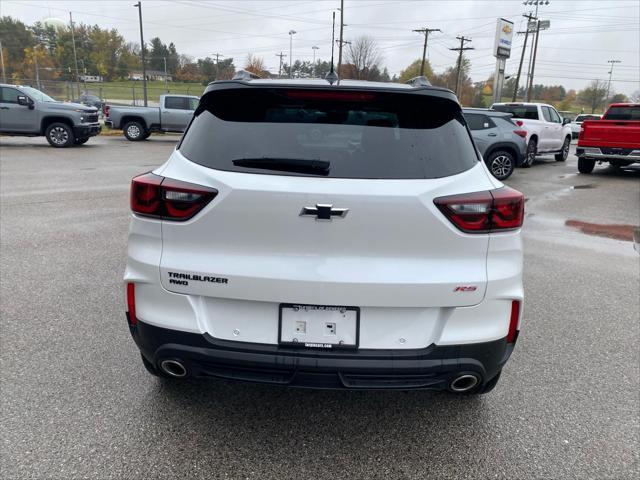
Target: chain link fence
[{"x": 126, "y": 92}]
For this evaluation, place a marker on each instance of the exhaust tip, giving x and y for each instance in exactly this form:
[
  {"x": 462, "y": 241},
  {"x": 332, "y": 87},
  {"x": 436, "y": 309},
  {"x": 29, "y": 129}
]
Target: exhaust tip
[
  {"x": 173, "y": 368},
  {"x": 464, "y": 383}
]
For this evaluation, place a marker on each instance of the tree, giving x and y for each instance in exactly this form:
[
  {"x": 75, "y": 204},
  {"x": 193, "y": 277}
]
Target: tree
[
  {"x": 15, "y": 38},
  {"x": 594, "y": 94},
  {"x": 635, "y": 97},
  {"x": 363, "y": 55},
  {"x": 619, "y": 98},
  {"x": 413, "y": 70},
  {"x": 157, "y": 54},
  {"x": 255, "y": 65}
]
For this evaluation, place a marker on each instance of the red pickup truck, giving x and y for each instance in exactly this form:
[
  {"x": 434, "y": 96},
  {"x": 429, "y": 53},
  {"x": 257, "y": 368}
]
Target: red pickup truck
[{"x": 614, "y": 139}]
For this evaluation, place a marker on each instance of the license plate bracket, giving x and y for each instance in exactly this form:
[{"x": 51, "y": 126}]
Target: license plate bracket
[{"x": 326, "y": 327}]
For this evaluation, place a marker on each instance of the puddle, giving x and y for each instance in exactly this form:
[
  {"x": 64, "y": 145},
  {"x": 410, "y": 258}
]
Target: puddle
[
  {"x": 616, "y": 231},
  {"x": 580, "y": 187}
]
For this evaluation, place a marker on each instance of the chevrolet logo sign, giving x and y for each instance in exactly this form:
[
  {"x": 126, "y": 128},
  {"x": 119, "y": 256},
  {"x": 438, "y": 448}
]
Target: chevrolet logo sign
[
  {"x": 323, "y": 212},
  {"x": 507, "y": 29}
]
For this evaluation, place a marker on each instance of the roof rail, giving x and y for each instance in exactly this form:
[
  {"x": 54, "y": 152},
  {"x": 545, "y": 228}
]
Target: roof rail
[
  {"x": 245, "y": 75},
  {"x": 420, "y": 81}
]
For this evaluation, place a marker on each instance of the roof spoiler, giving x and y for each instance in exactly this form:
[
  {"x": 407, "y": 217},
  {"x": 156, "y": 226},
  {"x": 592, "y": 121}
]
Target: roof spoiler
[
  {"x": 245, "y": 75},
  {"x": 420, "y": 81}
]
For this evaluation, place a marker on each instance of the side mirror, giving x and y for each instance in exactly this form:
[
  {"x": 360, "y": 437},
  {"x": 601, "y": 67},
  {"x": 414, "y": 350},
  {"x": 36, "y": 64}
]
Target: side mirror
[
  {"x": 25, "y": 101},
  {"x": 566, "y": 120}
]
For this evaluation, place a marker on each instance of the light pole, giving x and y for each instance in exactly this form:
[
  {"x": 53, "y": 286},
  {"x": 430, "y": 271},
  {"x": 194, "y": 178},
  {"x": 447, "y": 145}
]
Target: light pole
[
  {"x": 144, "y": 67},
  {"x": 291, "y": 34},
  {"x": 4, "y": 75},
  {"x": 314, "y": 60},
  {"x": 612, "y": 62}
]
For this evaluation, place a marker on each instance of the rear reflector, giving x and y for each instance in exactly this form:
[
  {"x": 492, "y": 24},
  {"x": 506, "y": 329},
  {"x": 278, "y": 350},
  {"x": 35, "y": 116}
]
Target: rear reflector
[
  {"x": 168, "y": 199},
  {"x": 513, "y": 321},
  {"x": 131, "y": 304},
  {"x": 521, "y": 133},
  {"x": 484, "y": 212}
]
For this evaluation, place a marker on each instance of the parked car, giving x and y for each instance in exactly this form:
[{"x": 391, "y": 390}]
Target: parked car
[
  {"x": 577, "y": 122},
  {"x": 547, "y": 131},
  {"x": 137, "y": 123},
  {"x": 25, "y": 111},
  {"x": 327, "y": 236},
  {"x": 90, "y": 99},
  {"x": 614, "y": 139},
  {"x": 500, "y": 141}
]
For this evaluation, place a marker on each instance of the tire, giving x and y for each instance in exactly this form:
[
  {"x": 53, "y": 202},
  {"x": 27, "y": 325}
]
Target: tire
[
  {"x": 146, "y": 135},
  {"x": 134, "y": 131},
  {"x": 586, "y": 165},
  {"x": 81, "y": 141},
  {"x": 490, "y": 385},
  {"x": 530, "y": 155},
  {"x": 564, "y": 153},
  {"x": 59, "y": 135},
  {"x": 501, "y": 164}
]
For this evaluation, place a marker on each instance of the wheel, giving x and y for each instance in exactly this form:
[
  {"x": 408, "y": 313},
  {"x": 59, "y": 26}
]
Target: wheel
[
  {"x": 134, "y": 131},
  {"x": 501, "y": 164},
  {"x": 146, "y": 135},
  {"x": 490, "y": 385},
  {"x": 564, "y": 153},
  {"x": 530, "y": 156},
  {"x": 81, "y": 141},
  {"x": 59, "y": 135},
  {"x": 586, "y": 165}
]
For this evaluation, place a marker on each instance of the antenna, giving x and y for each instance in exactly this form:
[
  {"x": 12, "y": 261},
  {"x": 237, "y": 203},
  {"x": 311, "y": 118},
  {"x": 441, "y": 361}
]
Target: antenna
[{"x": 332, "y": 76}]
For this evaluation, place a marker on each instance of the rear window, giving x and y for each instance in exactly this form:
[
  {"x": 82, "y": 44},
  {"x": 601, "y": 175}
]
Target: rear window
[
  {"x": 582, "y": 118},
  {"x": 623, "y": 113},
  {"x": 362, "y": 134},
  {"x": 526, "y": 112}
]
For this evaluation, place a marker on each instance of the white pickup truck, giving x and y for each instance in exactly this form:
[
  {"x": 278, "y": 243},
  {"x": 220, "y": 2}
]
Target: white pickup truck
[
  {"x": 547, "y": 131},
  {"x": 137, "y": 123}
]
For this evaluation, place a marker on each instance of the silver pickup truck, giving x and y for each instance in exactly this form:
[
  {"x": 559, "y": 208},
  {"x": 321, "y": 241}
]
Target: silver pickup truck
[
  {"x": 25, "y": 111},
  {"x": 137, "y": 123}
]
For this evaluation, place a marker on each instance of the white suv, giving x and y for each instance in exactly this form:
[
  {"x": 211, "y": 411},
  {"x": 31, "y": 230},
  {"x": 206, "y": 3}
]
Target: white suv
[
  {"x": 547, "y": 131},
  {"x": 324, "y": 236}
]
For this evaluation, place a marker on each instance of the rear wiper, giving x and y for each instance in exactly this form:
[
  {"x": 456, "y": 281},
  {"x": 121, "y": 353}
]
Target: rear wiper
[{"x": 319, "y": 167}]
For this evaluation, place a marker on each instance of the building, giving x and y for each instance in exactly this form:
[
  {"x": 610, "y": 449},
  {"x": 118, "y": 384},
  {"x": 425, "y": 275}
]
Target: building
[
  {"x": 157, "y": 75},
  {"x": 91, "y": 78}
]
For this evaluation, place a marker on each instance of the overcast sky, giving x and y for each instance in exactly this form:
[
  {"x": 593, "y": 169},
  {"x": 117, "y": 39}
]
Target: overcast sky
[{"x": 583, "y": 35}]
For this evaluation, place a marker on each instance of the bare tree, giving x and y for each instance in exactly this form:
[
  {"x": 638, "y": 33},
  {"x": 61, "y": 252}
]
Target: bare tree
[
  {"x": 364, "y": 56},
  {"x": 594, "y": 94},
  {"x": 255, "y": 65}
]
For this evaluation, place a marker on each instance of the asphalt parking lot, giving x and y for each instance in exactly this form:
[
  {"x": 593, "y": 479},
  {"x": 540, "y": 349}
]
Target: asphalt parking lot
[{"x": 76, "y": 401}]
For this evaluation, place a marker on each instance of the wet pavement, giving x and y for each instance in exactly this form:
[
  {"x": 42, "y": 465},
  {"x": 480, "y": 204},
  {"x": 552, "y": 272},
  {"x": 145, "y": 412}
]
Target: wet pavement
[{"x": 77, "y": 403}]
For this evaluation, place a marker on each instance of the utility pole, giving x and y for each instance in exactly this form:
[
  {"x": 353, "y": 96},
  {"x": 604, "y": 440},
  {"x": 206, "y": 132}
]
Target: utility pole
[
  {"x": 75, "y": 56},
  {"x": 460, "y": 49},
  {"x": 164, "y": 59},
  {"x": 4, "y": 75},
  {"x": 533, "y": 64},
  {"x": 341, "y": 41},
  {"x": 291, "y": 34},
  {"x": 144, "y": 65},
  {"x": 314, "y": 48},
  {"x": 35, "y": 59},
  {"x": 612, "y": 62},
  {"x": 529, "y": 17},
  {"x": 426, "y": 32},
  {"x": 218, "y": 55},
  {"x": 281, "y": 55}
]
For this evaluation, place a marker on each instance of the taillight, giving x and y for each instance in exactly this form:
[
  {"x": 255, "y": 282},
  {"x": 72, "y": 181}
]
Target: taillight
[
  {"x": 512, "y": 335},
  {"x": 484, "y": 212},
  {"x": 521, "y": 133},
  {"x": 131, "y": 304},
  {"x": 168, "y": 199},
  {"x": 105, "y": 110},
  {"x": 329, "y": 95},
  {"x": 581, "y": 134}
]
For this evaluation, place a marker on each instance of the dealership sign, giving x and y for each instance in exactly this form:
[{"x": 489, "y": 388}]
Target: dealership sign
[{"x": 504, "y": 36}]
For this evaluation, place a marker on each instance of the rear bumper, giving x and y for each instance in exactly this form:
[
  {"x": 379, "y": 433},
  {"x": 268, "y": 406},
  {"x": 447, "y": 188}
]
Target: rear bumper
[
  {"x": 605, "y": 154},
  {"x": 90, "y": 130},
  {"x": 431, "y": 368}
]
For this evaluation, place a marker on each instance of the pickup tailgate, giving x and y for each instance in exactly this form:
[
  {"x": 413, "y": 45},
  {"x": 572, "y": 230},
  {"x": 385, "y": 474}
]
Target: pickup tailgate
[{"x": 610, "y": 133}]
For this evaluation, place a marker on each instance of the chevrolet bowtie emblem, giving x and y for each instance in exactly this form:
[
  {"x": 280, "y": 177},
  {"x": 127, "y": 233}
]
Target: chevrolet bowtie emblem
[{"x": 323, "y": 212}]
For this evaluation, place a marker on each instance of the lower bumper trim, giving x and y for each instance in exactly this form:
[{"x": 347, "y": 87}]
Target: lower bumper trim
[{"x": 430, "y": 368}]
